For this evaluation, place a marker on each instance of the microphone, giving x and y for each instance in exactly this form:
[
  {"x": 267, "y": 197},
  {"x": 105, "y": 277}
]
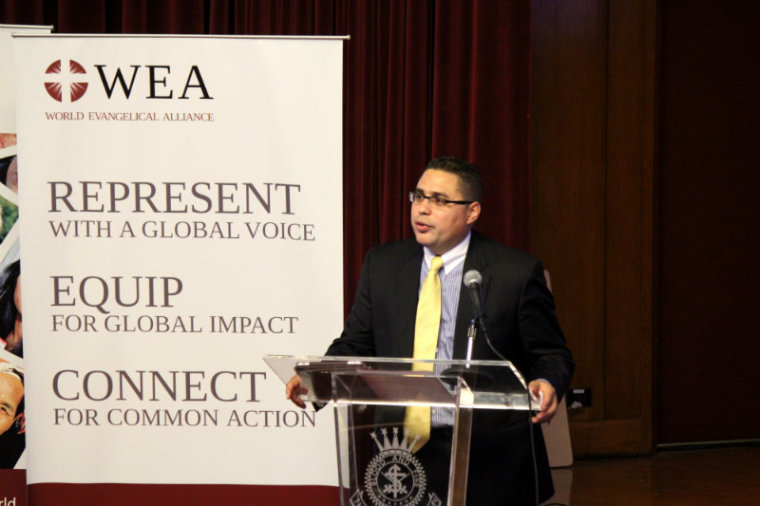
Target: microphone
[{"x": 472, "y": 280}]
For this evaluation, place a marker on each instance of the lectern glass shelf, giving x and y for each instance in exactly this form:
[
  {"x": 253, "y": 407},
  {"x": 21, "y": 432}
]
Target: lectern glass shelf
[{"x": 377, "y": 460}]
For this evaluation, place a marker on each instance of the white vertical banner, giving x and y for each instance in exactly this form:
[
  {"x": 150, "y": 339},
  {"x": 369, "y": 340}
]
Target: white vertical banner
[{"x": 182, "y": 217}]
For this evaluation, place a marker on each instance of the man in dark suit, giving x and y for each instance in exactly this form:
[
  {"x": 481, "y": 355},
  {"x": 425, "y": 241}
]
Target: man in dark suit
[{"x": 521, "y": 322}]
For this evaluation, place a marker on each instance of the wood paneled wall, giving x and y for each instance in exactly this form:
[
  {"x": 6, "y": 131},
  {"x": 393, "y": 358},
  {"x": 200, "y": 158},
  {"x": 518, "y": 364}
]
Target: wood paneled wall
[
  {"x": 709, "y": 209},
  {"x": 592, "y": 208}
]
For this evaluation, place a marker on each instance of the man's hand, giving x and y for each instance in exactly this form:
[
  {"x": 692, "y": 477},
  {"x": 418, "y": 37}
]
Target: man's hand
[
  {"x": 549, "y": 405},
  {"x": 294, "y": 389}
]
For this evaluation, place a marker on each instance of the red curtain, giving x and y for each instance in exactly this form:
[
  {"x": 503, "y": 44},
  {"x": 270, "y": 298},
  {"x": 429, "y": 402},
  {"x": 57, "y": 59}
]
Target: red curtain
[{"x": 422, "y": 78}]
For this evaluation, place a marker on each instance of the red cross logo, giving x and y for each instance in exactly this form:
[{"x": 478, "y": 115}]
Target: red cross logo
[{"x": 71, "y": 80}]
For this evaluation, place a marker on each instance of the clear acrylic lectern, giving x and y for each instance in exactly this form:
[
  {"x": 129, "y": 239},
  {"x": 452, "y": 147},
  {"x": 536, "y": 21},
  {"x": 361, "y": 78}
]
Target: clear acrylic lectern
[{"x": 376, "y": 463}]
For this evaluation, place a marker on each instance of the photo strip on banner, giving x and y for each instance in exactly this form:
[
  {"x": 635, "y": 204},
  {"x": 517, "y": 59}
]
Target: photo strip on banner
[{"x": 12, "y": 415}]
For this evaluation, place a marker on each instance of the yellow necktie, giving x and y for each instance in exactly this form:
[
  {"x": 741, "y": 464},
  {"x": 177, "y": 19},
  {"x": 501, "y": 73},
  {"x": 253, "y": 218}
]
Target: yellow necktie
[{"x": 426, "y": 328}]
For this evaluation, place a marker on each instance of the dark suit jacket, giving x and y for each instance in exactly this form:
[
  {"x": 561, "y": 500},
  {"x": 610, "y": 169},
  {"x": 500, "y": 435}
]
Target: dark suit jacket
[{"x": 523, "y": 328}]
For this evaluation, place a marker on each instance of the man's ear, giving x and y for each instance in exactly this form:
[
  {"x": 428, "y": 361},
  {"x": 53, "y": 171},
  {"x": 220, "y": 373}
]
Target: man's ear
[
  {"x": 19, "y": 424},
  {"x": 473, "y": 212}
]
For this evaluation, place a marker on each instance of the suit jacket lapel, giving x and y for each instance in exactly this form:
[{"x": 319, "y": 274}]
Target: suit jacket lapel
[{"x": 477, "y": 260}]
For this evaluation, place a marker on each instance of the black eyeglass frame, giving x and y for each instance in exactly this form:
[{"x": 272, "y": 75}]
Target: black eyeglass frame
[{"x": 435, "y": 199}]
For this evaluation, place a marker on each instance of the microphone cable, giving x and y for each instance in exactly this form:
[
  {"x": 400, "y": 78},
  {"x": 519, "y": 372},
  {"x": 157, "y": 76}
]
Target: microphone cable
[
  {"x": 472, "y": 280},
  {"x": 534, "y": 461}
]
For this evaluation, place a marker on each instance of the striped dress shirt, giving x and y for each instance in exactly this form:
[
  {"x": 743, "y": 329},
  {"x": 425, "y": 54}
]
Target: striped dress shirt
[{"x": 451, "y": 283}]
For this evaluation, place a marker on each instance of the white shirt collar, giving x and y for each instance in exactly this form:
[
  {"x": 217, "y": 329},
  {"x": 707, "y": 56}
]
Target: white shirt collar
[{"x": 451, "y": 258}]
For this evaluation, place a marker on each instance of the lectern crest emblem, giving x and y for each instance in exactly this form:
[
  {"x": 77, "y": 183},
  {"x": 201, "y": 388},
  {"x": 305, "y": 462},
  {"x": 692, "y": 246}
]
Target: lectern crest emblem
[{"x": 394, "y": 477}]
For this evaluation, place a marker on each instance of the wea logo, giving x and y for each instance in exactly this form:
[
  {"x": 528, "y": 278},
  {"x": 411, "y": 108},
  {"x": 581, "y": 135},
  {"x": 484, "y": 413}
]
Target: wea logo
[
  {"x": 69, "y": 83},
  {"x": 72, "y": 81}
]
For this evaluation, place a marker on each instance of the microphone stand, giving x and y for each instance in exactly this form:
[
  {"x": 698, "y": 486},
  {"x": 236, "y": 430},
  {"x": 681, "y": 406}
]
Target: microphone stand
[{"x": 472, "y": 332}]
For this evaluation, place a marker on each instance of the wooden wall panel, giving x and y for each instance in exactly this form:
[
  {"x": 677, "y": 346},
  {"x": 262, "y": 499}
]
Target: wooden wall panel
[
  {"x": 592, "y": 152},
  {"x": 568, "y": 83},
  {"x": 709, "y": 235},
  {"x": 630, "y": 214}
]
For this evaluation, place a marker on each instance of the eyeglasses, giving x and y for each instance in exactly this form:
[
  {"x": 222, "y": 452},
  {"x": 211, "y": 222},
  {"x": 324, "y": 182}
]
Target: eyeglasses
[{"x": 417, "y": 196}]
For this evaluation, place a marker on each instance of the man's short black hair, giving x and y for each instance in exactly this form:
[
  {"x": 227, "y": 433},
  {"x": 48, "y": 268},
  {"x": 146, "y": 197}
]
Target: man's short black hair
[{"x": 469, "y": 175}]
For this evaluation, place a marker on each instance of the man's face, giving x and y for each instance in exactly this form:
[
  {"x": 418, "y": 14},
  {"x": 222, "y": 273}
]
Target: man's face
[
  {"x": 442, "y": 228},
  {"x": 11, "y": 393}
]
